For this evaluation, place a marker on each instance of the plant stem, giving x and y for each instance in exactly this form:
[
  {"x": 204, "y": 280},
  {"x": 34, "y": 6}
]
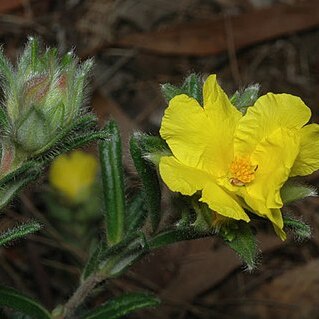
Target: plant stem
[{"x": 82, "y": 293}]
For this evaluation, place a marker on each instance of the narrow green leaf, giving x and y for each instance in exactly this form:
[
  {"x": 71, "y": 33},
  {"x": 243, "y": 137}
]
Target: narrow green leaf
[
  {"x": 241, "y": 239},
  {"x": 175, "y": 235},
  {"x": 123, "y": 305},
  {"x": 9, "y": 190},
  {"x": 18, "y": 232},
  {"x": 113, "y": 184},
  {"x": 94, "y": 261},
  {"x": 22, "y": 170},
  {"x": 292, "y": 192},
  {"x": 300, "y": 230},
  {"x": 149, "y": 178},
  {"x": 17, "y": 301},
  {"x": 120, "y": 257},
  {"x": 136, "y": 213}
]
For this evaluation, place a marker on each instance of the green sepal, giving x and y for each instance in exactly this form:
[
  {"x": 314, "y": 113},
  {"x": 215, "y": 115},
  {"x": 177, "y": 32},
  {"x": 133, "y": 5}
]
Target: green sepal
[
  {"x": 154, "y": 147},
  {"x": 169, "y": 91},
  {"x": 113, "y": 184},
  {"x": 292, "y": 191},
  {"x": 299, "y": 229},
  {"x": 123, "y": 305},
  {"x": 136, "y": 213},
  {"x": 18, "y": 232},
  {"x": 147, "y": 173},
  {"x": 4, "y": 122},
  {"x": 245, "y": 98},
  {"x": 83, "y": 125},
  {"x": 239, "y": 236},
  {"x": 192, "y": 87},
  {"x": 174, "y": 235},
  {"x": 6, "y": 72},
  {"x": 13, "y": 299},
  {"x": 204, "y": 215}
]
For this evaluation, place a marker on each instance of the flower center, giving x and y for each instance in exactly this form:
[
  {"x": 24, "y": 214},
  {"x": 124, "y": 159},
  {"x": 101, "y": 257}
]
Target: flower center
[{"x": 242, "y": 171}]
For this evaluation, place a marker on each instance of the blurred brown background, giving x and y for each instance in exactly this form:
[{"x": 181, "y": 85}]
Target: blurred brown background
[{"x": 138, "y": 44}]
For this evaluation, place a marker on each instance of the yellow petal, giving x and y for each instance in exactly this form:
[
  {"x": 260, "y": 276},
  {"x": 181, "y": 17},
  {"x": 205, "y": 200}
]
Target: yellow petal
[
  {"x": 216, "y": 102},
  {"x": 275, "y": 217},
  {"x": 181, "y": 178},
  {"x": 270, "y": 112},
  {"x": 222, "y": 202},
  {"x": 274, "y": 156},
  {"x": 307, "y": 160},
  {"x": 188, "y": 180},
  {"x": 196, "y": 139}
]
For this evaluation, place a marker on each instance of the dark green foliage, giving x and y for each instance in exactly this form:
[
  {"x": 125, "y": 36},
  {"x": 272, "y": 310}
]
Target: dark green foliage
[
  {"x": 18, "y": 232},
  {"x": 123, "y": 305},
  {"x": 192, "y": 86},
  {"x": 113, "y": 184},
  {"x": 245, "y": 98},
  {"x": 299, "y": 229},
  {"x": 136, "y": 213},
  {"x": 147, "y": 173},
  {"x": 239, "y": 236},
  {"x": 292, "y": 191},
  {"x": 17, "y": 301}
]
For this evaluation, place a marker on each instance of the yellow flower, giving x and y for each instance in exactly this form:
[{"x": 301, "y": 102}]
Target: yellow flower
[
  {"x": 238, "y": 161},
  {"x": 73, "y": 175}
]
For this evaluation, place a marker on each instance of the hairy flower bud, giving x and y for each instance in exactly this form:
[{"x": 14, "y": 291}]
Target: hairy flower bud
[{"x": 43, "y": 97}]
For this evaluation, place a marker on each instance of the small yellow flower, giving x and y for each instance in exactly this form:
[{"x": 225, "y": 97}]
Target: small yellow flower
[
  {"x": 238, "y": 161},
  {"x": 73, "y": 175}
]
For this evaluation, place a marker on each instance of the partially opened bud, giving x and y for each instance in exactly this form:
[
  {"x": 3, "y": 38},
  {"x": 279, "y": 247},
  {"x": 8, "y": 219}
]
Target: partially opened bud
[{"x": 42, "y": 97}]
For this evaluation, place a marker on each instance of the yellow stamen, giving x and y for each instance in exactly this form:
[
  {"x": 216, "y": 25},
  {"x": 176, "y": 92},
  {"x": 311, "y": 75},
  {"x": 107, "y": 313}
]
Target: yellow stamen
[{"x": 242, "y": 171}]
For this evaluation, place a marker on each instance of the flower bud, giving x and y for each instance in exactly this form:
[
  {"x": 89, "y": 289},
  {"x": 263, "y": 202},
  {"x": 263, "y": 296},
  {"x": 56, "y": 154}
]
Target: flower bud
[{"x": 43, "y": 96}]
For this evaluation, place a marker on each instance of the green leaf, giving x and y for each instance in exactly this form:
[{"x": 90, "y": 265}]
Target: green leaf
[
  {"x": 123, "y": 305},
  {"x": 18, "y": 232},
  {"x": 17, "y": 301},
  {"x": 292, "y": 192},
  {"x": 10, "y": 189},
  {"x": 300, "y": 230},
  {"x": 239, "y": 236},
  {"x": 22, "y": 170},
  {"x": 136, "y": 213},
  {"x": 113, "y": 184},
  {"x": 149, "y": 178},
  {"x": 175, "y": 235},
  {"x": 121, "y": 256},
  {"x": 243, "y": 99},
  {"x": 94, "y": 261}
]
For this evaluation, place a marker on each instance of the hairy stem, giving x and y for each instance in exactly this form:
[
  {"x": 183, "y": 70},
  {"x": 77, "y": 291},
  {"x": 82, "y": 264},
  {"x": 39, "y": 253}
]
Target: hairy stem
[{"x": 81, "y": 294}]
